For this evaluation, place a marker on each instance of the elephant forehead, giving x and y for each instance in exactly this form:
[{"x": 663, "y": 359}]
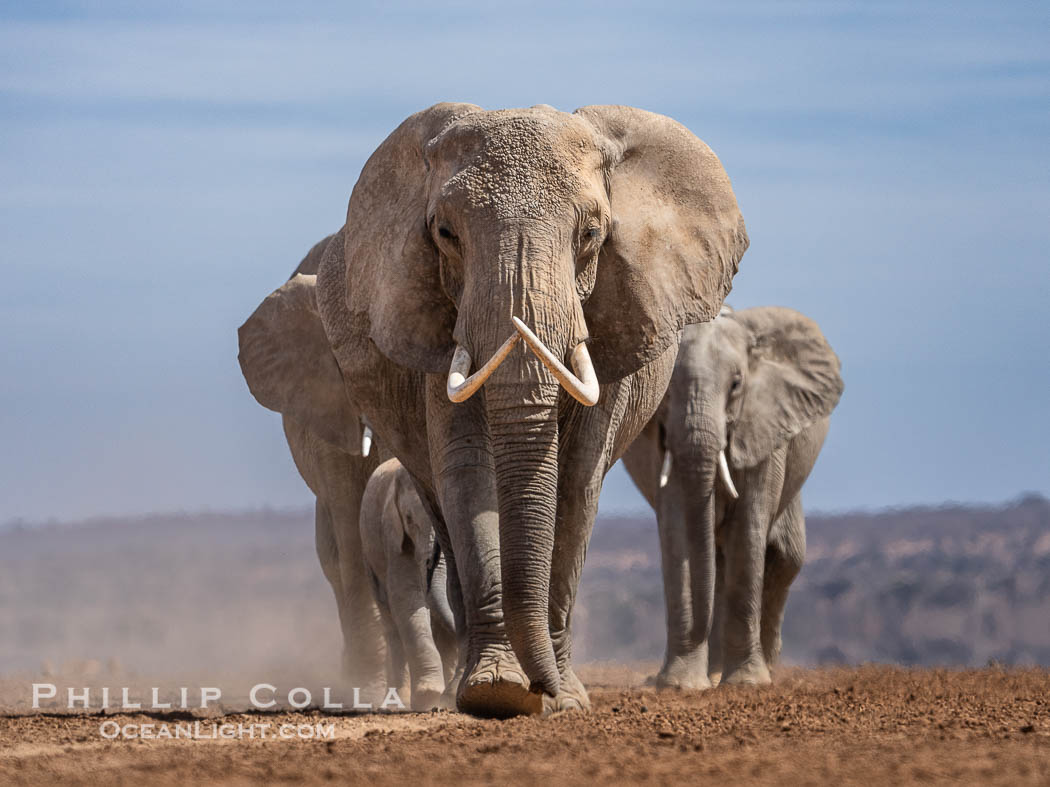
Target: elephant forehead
[
  {"x": 721, "y": 337},
  {"x": 523, "y": 166}
]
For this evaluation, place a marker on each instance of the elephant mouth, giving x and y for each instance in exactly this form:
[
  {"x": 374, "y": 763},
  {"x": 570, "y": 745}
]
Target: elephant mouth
[
  {"x": 581, "y": 383},
  {"x": 723, "y": 472}
]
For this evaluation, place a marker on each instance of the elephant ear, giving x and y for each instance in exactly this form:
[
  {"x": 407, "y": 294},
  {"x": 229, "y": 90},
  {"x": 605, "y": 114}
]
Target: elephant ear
[
  {"x": 676, "y": 239},
  {"x": 793, "y": 380},
  {"x": 312, "y": 261},
  {"x": 289, "y": 366},
  {"x": 394, "y": 288}
]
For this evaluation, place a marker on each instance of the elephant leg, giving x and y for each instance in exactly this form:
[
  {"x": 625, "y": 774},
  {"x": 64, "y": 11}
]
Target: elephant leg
[
  {"x": 396, "y": 666},
  {"x": 784, "y": 557},
  {"x": 715, "y": 658},
  {"x": 582, "y": 463},
  {"x": 442, "y": 620},
  {"x": 746, "y": 536},
  {"x": 407, "y": 601},
  {"x": 683, "y": 552},
  {"x": 448, "y": 616},
  {"x": 339, "y": 551},
  {"x": 575, "y": 520},
  {"x": 493, "y": 683}
]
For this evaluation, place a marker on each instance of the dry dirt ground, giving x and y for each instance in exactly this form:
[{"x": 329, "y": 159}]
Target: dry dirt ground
[{"x": 872, "y": 725}]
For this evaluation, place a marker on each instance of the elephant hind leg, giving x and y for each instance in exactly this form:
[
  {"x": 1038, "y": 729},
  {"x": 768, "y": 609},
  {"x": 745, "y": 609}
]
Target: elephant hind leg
[
  {"x": 339, "y": 550},
  {"x": 396, "y": 663},
  {"x": 785, "y": 554}
]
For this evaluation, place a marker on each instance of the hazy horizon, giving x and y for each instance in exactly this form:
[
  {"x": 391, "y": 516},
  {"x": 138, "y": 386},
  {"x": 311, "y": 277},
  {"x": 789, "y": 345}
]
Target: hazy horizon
[{"x": 166, "y": 169}]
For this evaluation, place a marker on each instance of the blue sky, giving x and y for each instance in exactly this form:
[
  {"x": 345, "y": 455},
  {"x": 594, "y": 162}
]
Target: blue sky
[{"x": 162, "y": 168}]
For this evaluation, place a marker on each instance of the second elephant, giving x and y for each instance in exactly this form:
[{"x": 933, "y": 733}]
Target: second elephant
[
  {"x": 408, "y": 578},
  {"x": 289, "y": 367},
  {"x": 749, "y": 402}
]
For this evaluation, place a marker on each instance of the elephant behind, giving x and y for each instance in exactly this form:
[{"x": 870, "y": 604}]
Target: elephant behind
[
  {"x": 749, "y": 403},
  {"x": 408, "y": 574},
  {"x": 289, "y": 367}
]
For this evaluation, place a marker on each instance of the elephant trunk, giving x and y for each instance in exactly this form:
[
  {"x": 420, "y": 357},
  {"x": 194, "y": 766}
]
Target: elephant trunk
[
  {"x": 525, "y": 447},
  {"x": 697, "y": 468},
  {"x": 699, "y": 504},
  {"x": 532, "y": 298}
]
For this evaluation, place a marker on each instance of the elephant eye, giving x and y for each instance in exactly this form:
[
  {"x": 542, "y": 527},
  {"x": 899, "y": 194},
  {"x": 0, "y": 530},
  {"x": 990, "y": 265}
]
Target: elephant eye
[
  {"x": 446, "y": 233},
  {"x": 735, "y": 385}
]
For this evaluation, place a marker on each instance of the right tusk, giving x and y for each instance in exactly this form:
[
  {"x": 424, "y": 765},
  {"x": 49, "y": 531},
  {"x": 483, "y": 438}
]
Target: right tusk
[
  {"x": 665, "y": 471},
  {"x": 366, "y": 441},
  {"x": 723, "y": 470},
  {"x": 460, "y": 387},
  {"x": 583, "y": 385}
]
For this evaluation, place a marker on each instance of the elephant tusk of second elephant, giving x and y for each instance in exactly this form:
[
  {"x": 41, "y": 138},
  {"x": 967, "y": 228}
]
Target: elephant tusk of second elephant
[
  {"x": 366, "y": 441},
  {"x": 723, "y": 470},
  {"x": 665, "y": 471},
  {"x": 460, "y": 387},
  {"x": 583, "y": 385}
]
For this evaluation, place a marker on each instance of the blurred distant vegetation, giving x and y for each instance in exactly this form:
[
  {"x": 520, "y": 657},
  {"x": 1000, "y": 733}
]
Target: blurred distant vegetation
[{"x": 961, "y": 585}]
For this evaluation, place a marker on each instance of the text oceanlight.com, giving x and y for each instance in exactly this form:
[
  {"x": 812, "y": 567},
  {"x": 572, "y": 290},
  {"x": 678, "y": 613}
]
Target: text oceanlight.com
[{"x": 198, "y": 730}]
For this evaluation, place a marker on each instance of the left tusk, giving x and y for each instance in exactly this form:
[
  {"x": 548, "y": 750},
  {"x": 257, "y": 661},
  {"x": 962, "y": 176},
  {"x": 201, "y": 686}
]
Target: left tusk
[
  {"x": 366, "y": 441},
  {"x": 665, "y": 471},
  {"x": 723, "y": 470},
  {"x": 583, "y": 385}
]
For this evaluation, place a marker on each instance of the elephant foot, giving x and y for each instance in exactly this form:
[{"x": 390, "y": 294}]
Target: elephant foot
[
  {"x": 572, "y": 696},
  {"x": 772, "y": 652},
  {"x": 685, "y": 673},
  {"x": 750, "y": 673},
  {"x": 426, "y": 696},
  {"x": 496, "y": 687},
  {"x": 715, "y": 677},
  {"x": 448, "y": 696},
  {"x": 370, "y": 681}
]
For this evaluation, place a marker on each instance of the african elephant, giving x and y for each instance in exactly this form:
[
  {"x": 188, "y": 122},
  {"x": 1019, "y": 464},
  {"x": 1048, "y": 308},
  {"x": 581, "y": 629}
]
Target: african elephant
[
  {"x": 289, "y": 367},
  {"x": 407, "y": 573},
  {"x": 504, "y": 302},
  {"x": 749, "y": 402}
]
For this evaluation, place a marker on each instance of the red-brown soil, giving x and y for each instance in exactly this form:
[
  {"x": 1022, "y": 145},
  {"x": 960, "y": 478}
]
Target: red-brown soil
[{"x": 872, "y": 725}]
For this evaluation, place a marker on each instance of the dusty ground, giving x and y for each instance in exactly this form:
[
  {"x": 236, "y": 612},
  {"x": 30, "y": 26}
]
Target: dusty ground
[{"x": 872, "y": 725}]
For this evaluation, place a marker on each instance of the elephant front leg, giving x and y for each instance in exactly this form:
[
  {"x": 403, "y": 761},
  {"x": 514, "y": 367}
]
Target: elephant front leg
[
  {"x": 442, "y": 625},
  {"x": 492, "y": 683},
  {"x": 784, "y": 558},
  {"x": 683, "y": 562},
  {"x": 747, "y": 533},
  {"x": 408, "y": 603},
  {"x": 576, "y": 513},
  {"x": 715, "y": 658},
  {"x": 582, "y": 463}
]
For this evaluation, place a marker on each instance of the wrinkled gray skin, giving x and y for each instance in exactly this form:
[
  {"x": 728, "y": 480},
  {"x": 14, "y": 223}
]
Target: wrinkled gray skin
[
  {"x": 326, "y": 447},
  {"x": 760, "y": 384},
  {"x": 408, "y": 582},
  {"x": 611, "y": 226}
]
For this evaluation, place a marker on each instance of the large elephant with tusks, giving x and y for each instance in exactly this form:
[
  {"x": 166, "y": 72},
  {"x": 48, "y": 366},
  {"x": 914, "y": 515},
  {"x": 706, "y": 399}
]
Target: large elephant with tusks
[{"x": 504, "y": 303}]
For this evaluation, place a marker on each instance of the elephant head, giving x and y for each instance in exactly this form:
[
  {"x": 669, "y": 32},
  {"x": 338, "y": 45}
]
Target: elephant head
[
  {"x": 288, "y": 364},
  {"x": 592, "y": 236},
  {"x": 745, "y": 384}
]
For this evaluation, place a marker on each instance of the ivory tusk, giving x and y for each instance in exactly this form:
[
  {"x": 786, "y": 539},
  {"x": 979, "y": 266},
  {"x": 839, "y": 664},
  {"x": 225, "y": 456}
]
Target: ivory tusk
[
  {"x": 665, "y": 471},
  {"x": 723, "y": 470},
  {"x": 460, "y": 387},
  {"x": 366, "y": 441},
  {"x": 583, "y": 385}
]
